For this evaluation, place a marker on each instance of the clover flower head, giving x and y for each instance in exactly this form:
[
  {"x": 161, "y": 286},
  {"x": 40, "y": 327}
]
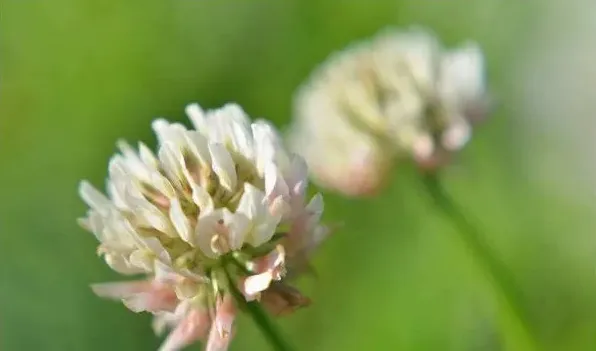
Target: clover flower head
[
  {"x": 219, "y": 208},
  {"x": 398, "y": 94}
]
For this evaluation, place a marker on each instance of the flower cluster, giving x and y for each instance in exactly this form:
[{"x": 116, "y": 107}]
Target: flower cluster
[
  {"x": 219, "y": 212},
  {"x": 399, "y": 94}
]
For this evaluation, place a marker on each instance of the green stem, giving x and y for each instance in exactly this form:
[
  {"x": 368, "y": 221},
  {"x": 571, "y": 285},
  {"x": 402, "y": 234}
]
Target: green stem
[
  {"x": 497, "y": 272},
  {"x": 260, "y": 317}
]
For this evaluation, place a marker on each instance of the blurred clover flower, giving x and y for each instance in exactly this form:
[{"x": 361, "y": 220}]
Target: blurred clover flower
[
  {"x": 399, "y": 94},
  {"x": 216, "y": 218}
]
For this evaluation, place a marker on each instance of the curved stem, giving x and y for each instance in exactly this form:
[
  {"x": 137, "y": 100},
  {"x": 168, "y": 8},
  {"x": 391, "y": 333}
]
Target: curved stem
[
  {"x": 497, "y": 272},
  {"x": 260, "y": 317}
]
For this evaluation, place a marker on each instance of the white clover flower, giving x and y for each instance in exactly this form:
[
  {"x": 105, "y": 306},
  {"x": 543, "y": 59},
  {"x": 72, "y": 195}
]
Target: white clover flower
[
  {"x": 220, "y": 207},
  {"x": 398, "y": 94}
]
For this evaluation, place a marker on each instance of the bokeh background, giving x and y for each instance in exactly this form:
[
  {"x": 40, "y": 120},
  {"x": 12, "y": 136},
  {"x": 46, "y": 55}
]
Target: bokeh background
[{"x": 77, "y": 75}]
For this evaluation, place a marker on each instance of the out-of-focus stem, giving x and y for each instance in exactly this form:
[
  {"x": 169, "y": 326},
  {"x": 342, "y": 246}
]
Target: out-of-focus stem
[{"x": 488, "y": 261}]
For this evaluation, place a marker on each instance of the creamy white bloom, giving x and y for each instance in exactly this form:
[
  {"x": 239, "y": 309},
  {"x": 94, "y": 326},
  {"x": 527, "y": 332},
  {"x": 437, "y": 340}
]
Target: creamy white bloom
[
  {"x": 217, "y": 206},
  {"x": 398, "y": 94}
]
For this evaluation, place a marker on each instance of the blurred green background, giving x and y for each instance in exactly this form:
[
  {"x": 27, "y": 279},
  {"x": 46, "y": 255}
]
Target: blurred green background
[{"x": 76, "y": 75}]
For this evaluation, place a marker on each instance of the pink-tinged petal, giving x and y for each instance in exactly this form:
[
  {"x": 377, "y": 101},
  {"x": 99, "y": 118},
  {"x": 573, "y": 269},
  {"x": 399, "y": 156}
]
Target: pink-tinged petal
[
  {"x": 139, "y": 296},
  {"x": 268, "y": 268},
  {"x": 456, "y": 136},
  {"x": 221, "y": 329},
  {"x": 168, "y": 320},
  {"x": 275, "y": 184},
  {"x": 192, "y": 328},
  {"x": 164, "y": 273},
  {"x": 278, "y": 207},
  {"x": 120, "y": 290},
  {"x": 423, "y": 147},
  {"x": 272, "y": 262},
  {"x": 297, "y": 175},
  {"x": 363, "y": 176},
  {"x": 160, "y": 298},
  {"x": 153, "y": 302}
]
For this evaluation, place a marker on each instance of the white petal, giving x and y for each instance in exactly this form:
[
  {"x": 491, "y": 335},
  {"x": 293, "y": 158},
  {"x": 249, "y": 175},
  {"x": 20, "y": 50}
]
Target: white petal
[
  {"x": 278, "y": 207},
  {"x": 162, "y": 184},
  {"x": 253, "y": 205},
  {"x": 132, "y": 159},
  {"x": 169, "y": 132},
  {"x": 267, "y": 144},
  {"x": 116, "y": 192},
  {"x": 420, "y": 48},
  {"x": 147, "y": 156},
  {"x": 463, "y": 74},
  {"x": 141, "y": 259},
  {"x": 154, "y": 246},
  {"x": 205, "y": 230},
  {"x": 254, "y": 284},
  {"x": 150, "y": 215},
  {"x": 238, "y": 225},
  {"x": 164, "y": 273},
  {"x": 201, "y": 198},
  {"x": 223, "y": 165},
  {"x": 138, "y": 303},
  {"x": 275, "y": 185},
  {"x": 297, "y": 175},
  {"x": 251, "y": 201},
  {"x": 161, "y": 127},
  {"x": 115, "y": 234},
  {"x": 196, "y": 116},
  {"x": 94, "y": 223},
  {"x": 456, "y": 136},
  {"x": 120, "y": 179},
  {"x": 180, "y": 221},
  {"x": 264, "y": 231},
  {"x": 198, "y": 145},
  {"x": 119, "y": 290},
  {"x": 172, "y": 161},
  {"x": 93, "y": 198},
  {"x": 120, "y": 264},
  {"x": 237, "y": 127}
]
